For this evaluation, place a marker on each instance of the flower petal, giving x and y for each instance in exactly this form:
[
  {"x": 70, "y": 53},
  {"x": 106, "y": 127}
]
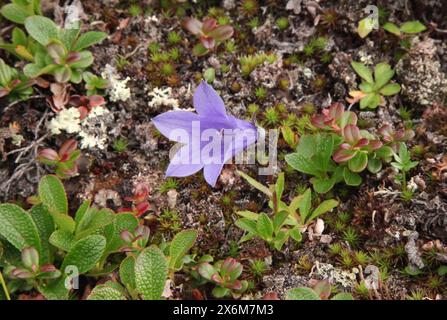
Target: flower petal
[
  {"x": 181, "y": 166},
  {"x": 171, "y": 123},
  {"x": 207, "y": 102}
]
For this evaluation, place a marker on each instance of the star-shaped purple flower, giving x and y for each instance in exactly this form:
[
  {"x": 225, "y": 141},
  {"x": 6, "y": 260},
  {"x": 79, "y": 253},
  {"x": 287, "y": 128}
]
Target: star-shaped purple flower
[{"x": 209, "y": 138}]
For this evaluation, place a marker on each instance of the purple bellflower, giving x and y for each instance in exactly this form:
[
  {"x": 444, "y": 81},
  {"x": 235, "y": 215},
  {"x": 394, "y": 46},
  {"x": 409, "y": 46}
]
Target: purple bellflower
[{"x": 209, "y": 138}]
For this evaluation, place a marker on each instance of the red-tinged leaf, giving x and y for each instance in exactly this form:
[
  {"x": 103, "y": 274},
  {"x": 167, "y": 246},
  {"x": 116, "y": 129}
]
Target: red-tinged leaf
[
  {"x": 209, "y": 25},
  {"x": 96, "y": 100},
  {"x": 342, "y": 155},
  {"x": 73, "y": 57},
  {"x": 208, "y": 43},
  {"x": 193, "y": 25},
  {"x": 67, "y": 148},
  {"x": 318, "y": 121},
  {"x": 352, "y": 134},
  {"x": 362, "y": 143},
  {"x": 48, "y": 154},
  {"x": 221, "y": 33},
  {"x": 270, "y": 296},
  {"x": 4, "y": 92},
  {"x": 375, "y": 144},
  {"x": 83, "y": 112}
]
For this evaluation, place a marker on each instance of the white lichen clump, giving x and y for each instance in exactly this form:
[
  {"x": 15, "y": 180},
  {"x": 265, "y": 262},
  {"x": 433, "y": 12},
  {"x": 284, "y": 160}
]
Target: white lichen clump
[
  {"x": 162, "y": 97},
  {"x": 92, "y": 130},
  {"x": 118, "y": 90},
  {"x": 67, "y": 120}
]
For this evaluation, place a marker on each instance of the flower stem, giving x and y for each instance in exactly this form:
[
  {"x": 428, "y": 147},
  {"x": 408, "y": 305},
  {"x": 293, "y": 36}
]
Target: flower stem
[{"x": 5, "y": 288}]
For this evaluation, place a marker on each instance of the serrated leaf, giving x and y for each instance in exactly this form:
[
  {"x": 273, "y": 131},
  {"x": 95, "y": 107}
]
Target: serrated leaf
[
  {"x": 99, "y": 219},
  {"x": 63, "y": 240},
  {"x": 301, "y": 294},
  {"x": 363, "y": 71},
  {"x": 127, "y": 272},
  {"x": 55, "y": 289},
  {"x": 151, "y": 271},
  {"x": 85, "y": 253},
  {"x": 300, "y": 163},
  {"x": 52, "y": 194},
  {"x": 18, "y": 228},
  {"x": 382, "y": 74},
  {"x": 45, "y": 226},
  {"x": 180, "y": 245},
  {"x": 112, "y": 232},
  {"x": 390, "y": 89},
  {"x": 105, "y": 292},
  {"x": 41, "y": 29}
]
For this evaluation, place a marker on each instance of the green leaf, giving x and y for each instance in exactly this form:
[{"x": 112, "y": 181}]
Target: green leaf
[
  {"x": 351, "y": 178},
  {"x": 280, "y": 238},
  {"x": 54, "y": 290},
  {"x": 296, "y": 235},
  {"x": 322, "y": 185},
  {"x": 323, "y": 151},
  {"x": 45, "y": 226},
  {"x": 106, "y": 292},
  {"x": 374, "y": 165},
  {"x": 264, "y": 227},
  {"x": 99, "y": 219},
  {"x": 199, "y": 50},
  {"x": 88, "y": 39},
  {"x": 112, "y": 232},
  {"x": 151, "y": 271},
  {"x": 15, "y": 13},
  {"x": 256, "y": 184},
  {"x": 63, "y": 221},
  {"x": 18, "y": 228},
  {"x": 52, "y": 194},
  {"x": 127, "y": 272},
  {"x": 442, "y": 270},
  {"x": 278, "y": 220},
  {"x": 249, "y": 215},
  {"x": 371, "y": 101},
  {"x": 390, "y": 89},
  {"x": 301, "y": 294},
  {"x": 85, "y": 253},
  {"x": 246, "y": 225},
  {"x": 365, "y": 26},
  {"x": 325, "y": 206},
  {"x": 82, "y": 211},
  {"x": 363, "y": 71},
  {"x": 41, "y": 29},
  {"x": 412, "y": 27},
  {"x": 343, "y": 296},
  {"x": 180, "y": 245},
  {"x": 63, "y": 240},
  {"x": 305, "y": 204},
  {"x": 382, "y": 74},
  {"x": 279, "y": 186},
  {"x": 392, "y": 28},
  {"x": 359, "y": 162},
  {"x": 302, "y": 164}
]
